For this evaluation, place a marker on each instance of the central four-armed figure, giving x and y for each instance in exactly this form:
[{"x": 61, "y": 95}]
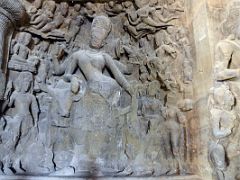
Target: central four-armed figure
[{"x": 92, "y": 63}]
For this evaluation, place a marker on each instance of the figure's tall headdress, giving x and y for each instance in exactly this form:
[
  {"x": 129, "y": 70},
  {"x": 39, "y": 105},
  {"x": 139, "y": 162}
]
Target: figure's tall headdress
[{"x": 100, "y": 29}]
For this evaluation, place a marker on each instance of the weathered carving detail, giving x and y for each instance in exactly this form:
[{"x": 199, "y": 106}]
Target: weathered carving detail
[
  {"x": 101, "y": 27},
  {"x": 11, "y": 13},
  {"x": 224, "y": 105},
  {"x": 98, "y": 89}
]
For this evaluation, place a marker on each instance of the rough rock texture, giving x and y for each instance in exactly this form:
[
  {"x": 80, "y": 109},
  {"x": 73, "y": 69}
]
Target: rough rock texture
[{"x": 142, "y": 88}]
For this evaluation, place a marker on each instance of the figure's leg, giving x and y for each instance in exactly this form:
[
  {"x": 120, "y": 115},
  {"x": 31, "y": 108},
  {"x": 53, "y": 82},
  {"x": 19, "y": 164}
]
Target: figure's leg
[
  {"x": 142, "y": 27},
  {"x": 220, "y": 175},
  {"x": 175, "y": 137},
  {"x": 175, "y": 141},
  {"x": 166, "y": 144}
]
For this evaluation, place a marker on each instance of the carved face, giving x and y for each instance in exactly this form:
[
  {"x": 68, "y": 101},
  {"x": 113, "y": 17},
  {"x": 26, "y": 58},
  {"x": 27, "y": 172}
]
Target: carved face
[
  {"x": 25, "y": 38},
  {"x": 49, "y": 6},
  {"x": 101, "y": 27},
  {"x": 111, "y": 4},
  {"x": 23, "y": 81},
  {"x": 77, "y": 7},
  {"x": 89, "y": 6},
  {"x": 127, "y": 4}
]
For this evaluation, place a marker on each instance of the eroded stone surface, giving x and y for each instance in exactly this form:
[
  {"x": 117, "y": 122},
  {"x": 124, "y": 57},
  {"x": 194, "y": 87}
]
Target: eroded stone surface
[{"x": 110, "y": 88}]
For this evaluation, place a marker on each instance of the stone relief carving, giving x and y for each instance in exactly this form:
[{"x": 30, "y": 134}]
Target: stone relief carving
[
  {"x": 97, "y": 89},
  {"x": 224, "y": 105},
  {"x": 12, "y": 12}
]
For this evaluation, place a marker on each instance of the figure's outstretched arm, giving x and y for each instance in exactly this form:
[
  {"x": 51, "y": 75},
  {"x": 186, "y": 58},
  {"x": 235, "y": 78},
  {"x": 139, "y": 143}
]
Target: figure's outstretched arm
[
  {"x": 122, "y": 67},
  {"x": 117, "y": 73},
  {"x": 47, "y": 89}
]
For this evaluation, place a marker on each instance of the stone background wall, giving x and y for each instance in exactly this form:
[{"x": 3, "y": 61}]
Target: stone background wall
[{"x": 136, "y": 144}]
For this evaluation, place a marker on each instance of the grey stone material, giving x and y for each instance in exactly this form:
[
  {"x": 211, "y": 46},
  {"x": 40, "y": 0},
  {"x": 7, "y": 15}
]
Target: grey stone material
[{"x": 99, "y": 89}]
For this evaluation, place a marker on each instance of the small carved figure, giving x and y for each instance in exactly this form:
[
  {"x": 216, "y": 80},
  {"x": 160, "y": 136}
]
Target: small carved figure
[
  {"x": 135, "y": 55},
  {"x": 74, "y": 28},
  {"x": 141, "y": 22},
  {"x": 41, "y": 50},
  {"x": 89, "y": 10},
  {"x": 173, "y": 133},
  {"x": 11, "y": 15},
  {"x": 174, "y": 6},
  {"x": 227, "y": 67},
  {"x": 20, "y": 49},
  {"x": 185, "y": 47},
  {"x": 75, "y": 11},
  {"x": 161, "y": 68},
  {"x": 23, "y": 100},
  {"x": 22, "y": 59},
  {"x": 144, "y": 74},
  {"x": 32, "y": 8},
  {"x": 44, "y": 15},
  {"x": 58, "y": 18},
  {"x": 26, "y": 117}
]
